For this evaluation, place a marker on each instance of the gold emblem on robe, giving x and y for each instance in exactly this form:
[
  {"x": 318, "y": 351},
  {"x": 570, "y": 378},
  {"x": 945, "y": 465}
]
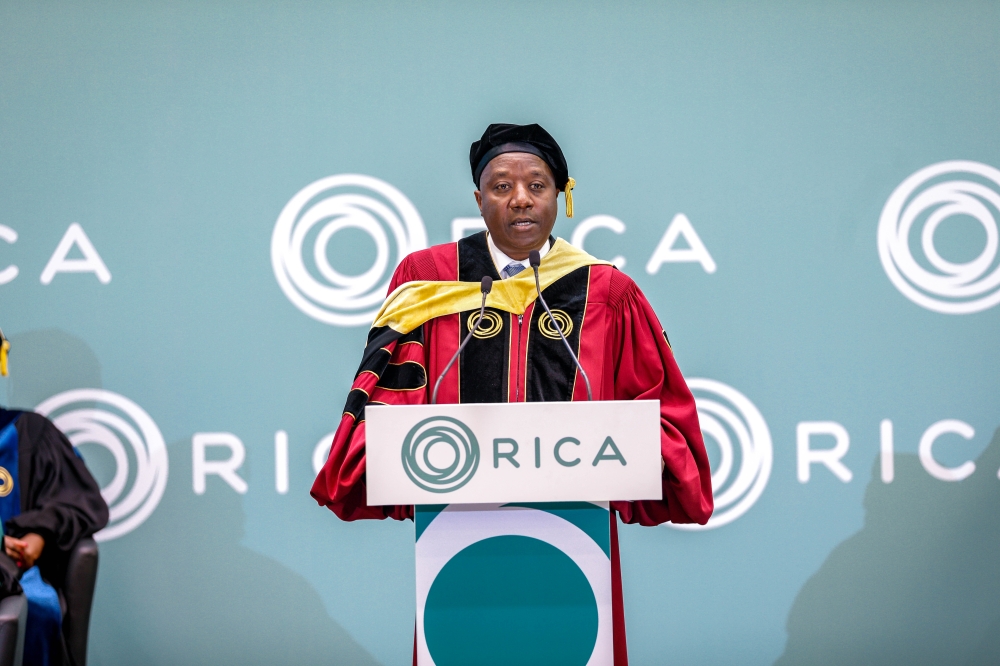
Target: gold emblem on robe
[
  {"x": 492, "y": 324},
  {"x": 6, "y": 482},
  {"x": 547, "y": 327}
]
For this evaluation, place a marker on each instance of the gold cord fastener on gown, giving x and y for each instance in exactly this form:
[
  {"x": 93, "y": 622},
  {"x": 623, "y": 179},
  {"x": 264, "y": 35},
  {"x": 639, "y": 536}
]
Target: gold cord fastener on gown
[
  {"x": 570, "y": 184},
  {"x": 4, "y": 350}
]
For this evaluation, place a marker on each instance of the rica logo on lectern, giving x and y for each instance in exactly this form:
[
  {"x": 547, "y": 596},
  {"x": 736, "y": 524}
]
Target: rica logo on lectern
[{"x": 419, "y": 461}]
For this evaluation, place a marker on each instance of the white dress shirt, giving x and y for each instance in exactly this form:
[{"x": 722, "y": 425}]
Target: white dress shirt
[{"x": 501, "y": 260}]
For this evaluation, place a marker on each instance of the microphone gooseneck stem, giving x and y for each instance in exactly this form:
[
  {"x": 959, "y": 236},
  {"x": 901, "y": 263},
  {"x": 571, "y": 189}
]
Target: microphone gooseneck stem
[
  {"x": 486, "y": 286},
  {"x": 535, "y": 260}
]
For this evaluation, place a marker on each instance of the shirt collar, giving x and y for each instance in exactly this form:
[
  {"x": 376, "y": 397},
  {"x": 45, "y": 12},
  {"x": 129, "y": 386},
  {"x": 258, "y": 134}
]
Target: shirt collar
[{"x": 501, "y": 260}]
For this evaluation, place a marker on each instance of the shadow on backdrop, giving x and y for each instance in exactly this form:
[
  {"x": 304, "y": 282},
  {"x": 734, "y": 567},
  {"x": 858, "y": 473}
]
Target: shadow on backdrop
[
  {"x": 919, "y": 584},
  {"x": 181, "y": 588},
  {"x": 46, "y": 362},
  {"x": 216, "y": 601}
]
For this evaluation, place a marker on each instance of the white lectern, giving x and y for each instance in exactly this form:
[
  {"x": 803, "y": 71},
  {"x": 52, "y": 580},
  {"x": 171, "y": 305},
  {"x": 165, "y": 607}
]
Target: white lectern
[{"x": 512, "y": 525}]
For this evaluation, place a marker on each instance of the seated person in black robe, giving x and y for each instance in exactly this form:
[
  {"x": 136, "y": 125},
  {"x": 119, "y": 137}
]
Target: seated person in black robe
[{"x": 48, "y": 502}]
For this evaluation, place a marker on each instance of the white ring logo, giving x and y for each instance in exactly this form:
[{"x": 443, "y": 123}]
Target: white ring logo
[
  {"x": 725, "y": 413},
  {"x": 341, "y": 202},
  {"x": 95, "y": 416},
  {"x": 928, "y": 198}
]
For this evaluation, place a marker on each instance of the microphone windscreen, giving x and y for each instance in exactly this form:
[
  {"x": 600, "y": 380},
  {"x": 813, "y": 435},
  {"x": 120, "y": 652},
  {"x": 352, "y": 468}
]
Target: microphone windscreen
[
  {"x": 534, "y": 258},
  {"x": 486, "y": 285}
]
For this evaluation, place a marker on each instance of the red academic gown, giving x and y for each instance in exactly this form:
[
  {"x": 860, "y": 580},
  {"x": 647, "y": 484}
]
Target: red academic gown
[{"x": 619, "y": 341}]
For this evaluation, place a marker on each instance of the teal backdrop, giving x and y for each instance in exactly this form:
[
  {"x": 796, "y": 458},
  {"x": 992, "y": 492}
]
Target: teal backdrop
[{"x": 148, "y": 149}]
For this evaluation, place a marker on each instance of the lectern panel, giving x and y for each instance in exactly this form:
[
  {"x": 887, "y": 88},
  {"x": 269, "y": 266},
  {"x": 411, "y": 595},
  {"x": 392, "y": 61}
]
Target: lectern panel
[{"x": 514, "y": 584}]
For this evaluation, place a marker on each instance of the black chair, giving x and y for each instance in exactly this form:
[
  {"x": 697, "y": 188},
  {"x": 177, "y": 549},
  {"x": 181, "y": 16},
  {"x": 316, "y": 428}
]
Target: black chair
[
  {"x": 13, "y": 618},
  {"x": 13, "y": 614},
  {"x": 76, "y": 598}
]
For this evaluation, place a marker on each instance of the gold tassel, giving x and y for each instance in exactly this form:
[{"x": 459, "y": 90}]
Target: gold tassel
[
  {"x": 570, "y": 184},
  {"x": 4, "y": 349}
]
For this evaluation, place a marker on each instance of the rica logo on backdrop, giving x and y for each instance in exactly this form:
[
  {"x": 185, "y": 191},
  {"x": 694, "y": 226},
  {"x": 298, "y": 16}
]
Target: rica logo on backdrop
[
  {"x": 730, "y": 422},
  {"x": 742, "y": 471},
  {"x": 335, "y": 203},
  {"x": 917, "y": 208},
  {"x": 306, "y": 225},
  {"x": 106, "y": 419}
]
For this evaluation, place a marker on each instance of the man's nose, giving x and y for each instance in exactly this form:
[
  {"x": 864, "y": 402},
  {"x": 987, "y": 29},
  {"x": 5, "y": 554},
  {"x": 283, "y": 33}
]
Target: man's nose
[{"x": 521, "y": 197}]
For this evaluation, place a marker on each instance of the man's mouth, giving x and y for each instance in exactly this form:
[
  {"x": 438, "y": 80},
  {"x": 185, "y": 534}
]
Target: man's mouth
[{"x": 522, "y": 223}]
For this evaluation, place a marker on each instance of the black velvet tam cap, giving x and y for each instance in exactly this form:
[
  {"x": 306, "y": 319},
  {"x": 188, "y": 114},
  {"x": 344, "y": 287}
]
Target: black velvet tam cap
[{"x": 504, "y": 138}]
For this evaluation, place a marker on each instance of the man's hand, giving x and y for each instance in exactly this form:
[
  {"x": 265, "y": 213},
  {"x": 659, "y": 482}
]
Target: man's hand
[{"x": 26, "y": 550}]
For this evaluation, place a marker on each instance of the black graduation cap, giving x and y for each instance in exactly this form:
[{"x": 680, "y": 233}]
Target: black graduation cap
[{"x": 500, "y": 138}]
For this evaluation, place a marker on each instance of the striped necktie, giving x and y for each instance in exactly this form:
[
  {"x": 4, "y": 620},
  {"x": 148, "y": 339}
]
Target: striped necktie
[{"x": 512, "y": 269}]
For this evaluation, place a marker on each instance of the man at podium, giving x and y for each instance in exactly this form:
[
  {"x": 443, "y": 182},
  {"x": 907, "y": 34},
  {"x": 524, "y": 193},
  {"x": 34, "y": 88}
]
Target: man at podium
[{"x": 519, "y": 171}]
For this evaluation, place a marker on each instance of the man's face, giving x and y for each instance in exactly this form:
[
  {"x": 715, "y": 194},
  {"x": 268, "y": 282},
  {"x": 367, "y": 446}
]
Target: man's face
[{"x": 517, "y": 197}]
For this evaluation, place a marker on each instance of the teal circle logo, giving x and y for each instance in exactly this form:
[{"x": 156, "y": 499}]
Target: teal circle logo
[
  {"x": 440, "y": 454},
  {"x": 511, "y": 600}
]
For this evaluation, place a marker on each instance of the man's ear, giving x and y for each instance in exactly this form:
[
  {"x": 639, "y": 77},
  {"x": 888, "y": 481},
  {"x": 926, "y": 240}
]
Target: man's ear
[{"x": 479, "y": 200}]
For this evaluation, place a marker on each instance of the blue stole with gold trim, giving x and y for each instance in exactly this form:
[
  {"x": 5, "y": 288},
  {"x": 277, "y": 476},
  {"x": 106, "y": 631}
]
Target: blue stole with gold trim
[{"x": 10, "y": 488}]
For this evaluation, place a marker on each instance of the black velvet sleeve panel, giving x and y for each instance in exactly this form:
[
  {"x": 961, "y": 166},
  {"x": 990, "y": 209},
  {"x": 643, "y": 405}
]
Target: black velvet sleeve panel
[
  {"x": 60, "y": 500},
  {"x": 408, "y": 376}
]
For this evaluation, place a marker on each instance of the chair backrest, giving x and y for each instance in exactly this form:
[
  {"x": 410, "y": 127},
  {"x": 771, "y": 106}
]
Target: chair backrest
[
  {"x": 78, "y": 591},
  {"x": 13, "y": 618}
]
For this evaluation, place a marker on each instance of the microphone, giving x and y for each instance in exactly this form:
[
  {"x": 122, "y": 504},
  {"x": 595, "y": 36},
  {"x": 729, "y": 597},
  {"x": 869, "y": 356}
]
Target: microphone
[
  {"x": 535, "y": 260},
  {"x": 485, "y": 286}
]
